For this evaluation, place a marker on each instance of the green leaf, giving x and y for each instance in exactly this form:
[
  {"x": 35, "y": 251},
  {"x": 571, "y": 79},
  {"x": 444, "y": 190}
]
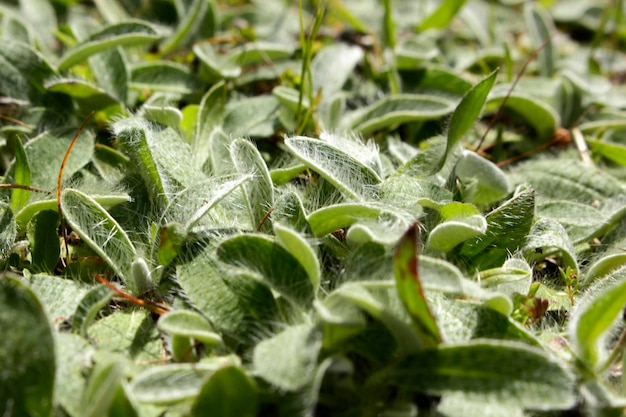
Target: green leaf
[
  {"x": 27, "y": 355},
  {"x": 252, "y": 117},
  {"x": 595, "y": 314},
  {"x": 88, "y": 307},
  {"x": 462, "y": 321},
  {"x": 603, "y": 267},
  {"x": 27, "y": 213},
  {"x": 187, "y": 26},
  {"x": 214, "y": 66},
  {"x": 539, "y": 115},
  {"x": 131, "y": 333},
  {"x": 203, "y": 281},
  {"x": 406, "y": 338},
  {"x": 103, "y": 382},
  {"x": 22, "y": 175},
  {"x": 164, "y": 76},
  {"x": 289, "y": 359},
  {"x": 277, "y": 267},
  {"x": 8, "y": 229},
  {"x": 217, "y": 190},
  {"x": 507, "y": 230},
  {"x": 581, "y": 221},
  {"x": 546, "y": 237},
  {"x": 397, "y": 109},
  {"x": 168, "y": 384},
  {"x": 189, "y": 324},
  {"x": 229, "y": 392},
  {"x": 295, "y": 244},
  {"x": 165, "y": 115},
  {"x": 129, "y": 33},
  {"x": 347, "y": 172},
  {"x": 482, "y": 181},
  {"x": 210, "y": 117},
  {"x": 87, "y": 95},
  {"x": 101, "y": 232},
  {"x": 46, "y": 151},
  {"x": 509, "y": 373},
  {"x": 467, "y": 112},
  {"x": 23, "y": 71},
  {"x": 330, "y": 218},
  {"x": 442, "y": 15},
  {"x": 611, "y": 151},
  {"x": 60, "y": 296},
  {"x": 461, "y": 222},
  {"x": 410, "y": 193},
  {"x": 515, "y": 276},
  {"x": 259, "y": 189},
  {"x": 331, "y": 67},
  {"x": 410, "y": 290},
  {"x": 73, "y": 354},
  {"x": 568, "y": 178}
]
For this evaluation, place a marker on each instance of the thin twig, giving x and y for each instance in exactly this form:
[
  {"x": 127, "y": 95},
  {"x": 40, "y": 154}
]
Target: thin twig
[
  {"x": 60, "y": 179},
  {"x": 25, "y": 187},
  {"x": 496, "y": 117},
  {"x": 155, "y": 308}
]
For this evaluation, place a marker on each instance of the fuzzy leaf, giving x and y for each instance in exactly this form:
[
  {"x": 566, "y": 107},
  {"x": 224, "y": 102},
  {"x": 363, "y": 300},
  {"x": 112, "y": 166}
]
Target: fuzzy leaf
[
  {"x": 89, "y": 305},
  {"x": 89, "y": 96},
  {"x": 348, "y": 174},
  {"x": 210, "y": 117},
  {"x": 548, "y": 236},
  {"x": 397, "y": 109},
  {"x": 129, "y": 332},
  {"x": 295, "y": 244},
  {"x": 164, "y": 76},
  {"x": 331, "y": 67},
  {"x": 189, "y": 324},
  {"x": 8, "y": 229},
  {"x": 229, "y": 392},
  {"x": 74, "y": 354},
  {"x": 278, "y": 268},
  {"x": 100, "y": 231},
  {"x": 460, "y": 223},
  {"x": 27, "y": 380},
  {"x": 22, "y": 174},
  {"x": 595, "y": 315},
  {"x": 507, "y": 230},
  {"x": 289, "y": 359},
  {"x": 510, "y": 373},
  {"x": 259, "y": 188},
  {"x": 45, "y": 154},
  {"x": 515, "y": 276},
  {"x": 328, "y": 219},
  {"x": 168, "y": 384},
  {"x": 60, "y": 296},
  {"x": 129, "y": 33},
  {"x": 482, "y": 181},
  {"x": 255, "y": 117},
  {"x": 410, "y": 288}
]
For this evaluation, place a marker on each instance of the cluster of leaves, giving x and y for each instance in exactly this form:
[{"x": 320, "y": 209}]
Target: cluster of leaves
[{"x": 291, "y": 209}]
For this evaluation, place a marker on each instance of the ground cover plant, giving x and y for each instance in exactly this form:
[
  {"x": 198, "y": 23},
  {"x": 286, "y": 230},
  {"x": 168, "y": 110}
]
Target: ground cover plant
[{"x": 346, "y": 208}]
